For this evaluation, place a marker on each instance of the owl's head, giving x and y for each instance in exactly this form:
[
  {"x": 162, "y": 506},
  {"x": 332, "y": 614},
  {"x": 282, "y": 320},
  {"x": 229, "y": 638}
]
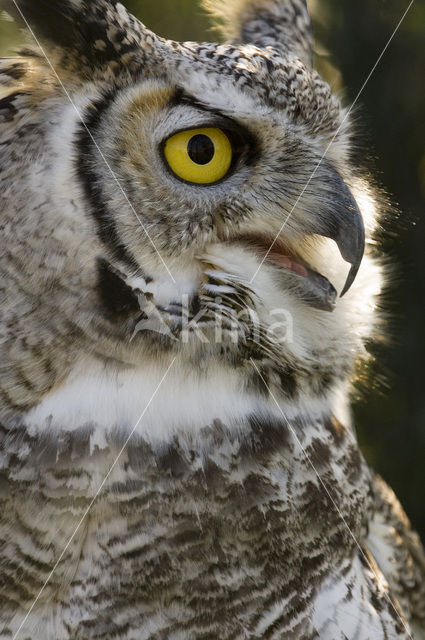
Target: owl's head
[{"x": 196, "y": 198}]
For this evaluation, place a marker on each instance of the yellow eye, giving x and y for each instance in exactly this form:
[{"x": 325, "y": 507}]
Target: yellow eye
[{"x": 201, "y": 156}]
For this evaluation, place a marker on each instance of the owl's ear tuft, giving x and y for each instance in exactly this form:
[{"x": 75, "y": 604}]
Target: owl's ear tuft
[
  {"x": 60, "y": 22},
  {"x": 284, "y": 25},
  {"x": 91, "y": 33}
]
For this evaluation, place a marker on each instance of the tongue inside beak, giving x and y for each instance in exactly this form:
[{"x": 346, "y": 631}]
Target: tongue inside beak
[
  {"x": 287, "y": 263},
  {"x": 313, "y": 288}
]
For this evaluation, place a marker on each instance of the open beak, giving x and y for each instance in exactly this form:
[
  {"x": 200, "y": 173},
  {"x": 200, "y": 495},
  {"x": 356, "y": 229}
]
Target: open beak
[
  {"x": 345, "y": 226},
  {"x": 337, "y": 217}
]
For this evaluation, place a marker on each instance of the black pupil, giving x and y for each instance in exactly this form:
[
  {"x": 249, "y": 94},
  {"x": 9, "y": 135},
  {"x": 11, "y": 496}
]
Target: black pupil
[{"x": 201, "y": 149}]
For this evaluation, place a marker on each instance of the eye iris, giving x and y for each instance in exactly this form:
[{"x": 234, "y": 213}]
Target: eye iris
[
  {"x": 199, "y": 156},
  {"x": 201, "y": 149}
]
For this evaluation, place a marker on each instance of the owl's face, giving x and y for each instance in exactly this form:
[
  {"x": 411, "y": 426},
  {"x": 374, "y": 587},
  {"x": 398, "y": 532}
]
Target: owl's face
[
  {"x": 217, "y": 179},
  {"x": 225, "y": 188}
]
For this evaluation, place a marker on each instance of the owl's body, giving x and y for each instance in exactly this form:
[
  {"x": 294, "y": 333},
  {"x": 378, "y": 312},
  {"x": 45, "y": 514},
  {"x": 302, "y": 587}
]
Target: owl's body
[{"x": 177, "y": 458}]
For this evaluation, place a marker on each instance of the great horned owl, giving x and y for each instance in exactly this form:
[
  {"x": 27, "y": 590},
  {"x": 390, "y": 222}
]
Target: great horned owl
[{"x": 177, "y": 457}]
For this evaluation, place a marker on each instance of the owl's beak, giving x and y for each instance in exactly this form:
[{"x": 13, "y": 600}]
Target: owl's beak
[
  {"x": 345, "y": 226},
  {"x": 338, "y": 217}
]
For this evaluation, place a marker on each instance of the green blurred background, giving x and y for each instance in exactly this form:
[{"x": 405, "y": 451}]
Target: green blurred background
[{"x": 351, "y": 34}]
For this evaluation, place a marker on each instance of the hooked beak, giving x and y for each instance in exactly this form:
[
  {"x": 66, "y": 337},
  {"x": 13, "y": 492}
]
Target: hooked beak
[
  {"x": 349, "y": 234},
  {"x": 336, "y": 216},
  {"x": 343, "y": 223}
]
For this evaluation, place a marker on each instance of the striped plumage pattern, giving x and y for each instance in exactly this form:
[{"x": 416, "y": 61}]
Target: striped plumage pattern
[
  {"x": 232, "y": 539},
  {"x": 177, "y": 459}
]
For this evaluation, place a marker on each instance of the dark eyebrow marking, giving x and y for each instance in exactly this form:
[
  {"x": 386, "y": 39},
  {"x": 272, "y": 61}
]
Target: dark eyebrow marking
[
  {"x": 182, "y": 97},
  {"x": 242, "y": 137}
]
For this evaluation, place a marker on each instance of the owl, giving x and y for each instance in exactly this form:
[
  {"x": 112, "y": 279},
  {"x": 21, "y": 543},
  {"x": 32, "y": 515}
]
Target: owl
[{"x": 187, "y": 284}]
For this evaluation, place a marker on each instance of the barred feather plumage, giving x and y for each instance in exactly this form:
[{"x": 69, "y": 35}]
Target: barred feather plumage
[{"x": 177, "y": 458}]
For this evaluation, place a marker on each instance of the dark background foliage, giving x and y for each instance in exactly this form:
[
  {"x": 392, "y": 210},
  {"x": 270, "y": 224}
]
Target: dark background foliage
[{"x": 390, "y": 407}]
